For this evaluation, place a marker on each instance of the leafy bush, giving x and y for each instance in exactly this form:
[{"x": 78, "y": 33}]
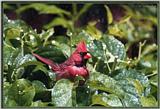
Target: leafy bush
[{"x": 116, "y": 80}]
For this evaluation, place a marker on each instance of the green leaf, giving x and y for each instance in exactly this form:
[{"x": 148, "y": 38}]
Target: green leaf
[
  {"x": 96, "y": 49},
  {"x": 22, "y": 92},
  {"x": 17, "y": 63},
  {"x": 45, "y": 35},
  {"x": 8, "y": 51},
  {"x": 25, "y": 60},
  {"x": 107, "y": 100},
  {"x": 51, "y": 52},
  {"x": 130, "y": 100},
  {"x": 39, "y": 64},
  {"x": 138, "y": 86},
  {"x": 39, "y": 86},
  {"x": 93, "y": 31},
  {"x": 41, "y": 92},
  {"x": 105, "y": 83},
  {"x": 83, "y": 35},
  {"x": 39, "y": 104},
  {"x": 12, "y": 33},
  {"x": 83, "y": 95},
  {"x": 115, "y": 30},
  {"x": 114, "y": 46},
  {"x": 62, "y": 39},
  {"x": 122, "y": 75},
  {"x": 6, "y": 6},
  {"x": 43, "y": 9},
  {"x": 14, "y": 27},
  {"x": 154, "y": 80},
  {"x": 135, "y": 85},
  {"x": 125, "y": 19},
  {"x": 62, "y": 93},
  {"x": 83, "y": 10},
  {"x": 65, "y": 49},
  {"x": 59, "y": 22},
  {"x": 7, "y": 102},
  {"x": 149, "y": 101}
]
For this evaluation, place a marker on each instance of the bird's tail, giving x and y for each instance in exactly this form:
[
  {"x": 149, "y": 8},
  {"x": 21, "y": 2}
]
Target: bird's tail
[{"x": 47, "y": 61}]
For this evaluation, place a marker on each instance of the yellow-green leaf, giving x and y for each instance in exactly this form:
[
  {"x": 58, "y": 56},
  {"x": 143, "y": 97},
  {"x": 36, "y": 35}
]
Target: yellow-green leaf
[
  {"x": 138, "y": 86},
  {"x": 149, "y": 101},
  {"x": 109, "y": 15},
  {"x": 93, "y": 31}
]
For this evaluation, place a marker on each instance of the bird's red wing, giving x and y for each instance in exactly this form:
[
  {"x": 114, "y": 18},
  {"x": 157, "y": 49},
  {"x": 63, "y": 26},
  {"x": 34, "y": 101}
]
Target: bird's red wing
[{"x": 47, "y": 61}]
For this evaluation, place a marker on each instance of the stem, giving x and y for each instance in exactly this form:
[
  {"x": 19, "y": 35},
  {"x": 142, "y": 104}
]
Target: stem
[
  {"x": 74, "y": 94},
  {"x": 74, "y": 9},
  {"x": 140, "y": 49},
  {"x": 139, "y": 52},
  {"x": 115, "y": 63},
  {"x": 107, "y": 62},
  {"x": 152, "y": 74},
  {"x": 70, "y": 44},
  {"x": 108, "y": 67},
  {"x": 96, "y": 64}
]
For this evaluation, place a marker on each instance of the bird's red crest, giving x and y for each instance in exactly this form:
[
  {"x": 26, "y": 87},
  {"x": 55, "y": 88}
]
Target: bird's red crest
[{"x": 82, "y": 47}]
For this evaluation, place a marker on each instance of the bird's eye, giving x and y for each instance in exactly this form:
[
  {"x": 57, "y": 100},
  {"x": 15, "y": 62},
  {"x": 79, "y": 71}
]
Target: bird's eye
[{"x": 81, "y": 53}]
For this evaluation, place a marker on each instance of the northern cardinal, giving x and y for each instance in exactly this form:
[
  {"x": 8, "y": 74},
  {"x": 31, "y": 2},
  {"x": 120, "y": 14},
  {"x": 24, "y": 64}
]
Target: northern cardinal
[{"x": 74, "y": 66}]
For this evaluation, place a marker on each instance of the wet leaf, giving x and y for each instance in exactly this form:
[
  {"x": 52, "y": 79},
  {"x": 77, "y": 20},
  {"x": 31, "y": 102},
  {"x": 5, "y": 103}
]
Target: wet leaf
[
  {"x": 39, "y": 86},
  {"x": 62, "y": 93},
  {"x": 45, "y": 35},
  {"x": 134, "y": 83},
  {"x": 51, "y": 52},
  {"x": 130, "y": 100},
  {"x": 8, "y": 51},
  {"x": 107, "y": 100},
  {"x": 115, "y": 46},
  {"x": 83, "y": 95},
  {"x": 39, "y": 104},
  {"x": 14, "y": 27},
  {"x": 22, "y": 92},
  {"x": 149, "y": 101},
  {"x": 96, "y": 49},
  {"x": 12, "y": 33},
  {"x": 105, "y": 83}
]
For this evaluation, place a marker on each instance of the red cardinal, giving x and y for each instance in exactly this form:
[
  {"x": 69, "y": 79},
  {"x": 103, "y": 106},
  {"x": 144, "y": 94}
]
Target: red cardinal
[{"x": 74, "y": 66}]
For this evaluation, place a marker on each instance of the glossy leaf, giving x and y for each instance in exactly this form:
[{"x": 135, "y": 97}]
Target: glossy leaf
[
  {"x": 149, "y": 101},
  {"x": 107, "y": 100},
  {"x": 39, "y": 104},
  {"x": 83, "y": 95},
  {"x": 51, "y": 52},
  {"x": 114, "y": 46},
  {"x": 43, "y": 8},
  {"x": 22, "y": 92},
  {"x": 62, "y": 93},
  {"x": 134, "y": 84},
  {"x": 59, "y": 22},
  {"x": 109, "y": 15},
  {"x": 105, "y": 83},
  {"x": 39, "y": 86}
]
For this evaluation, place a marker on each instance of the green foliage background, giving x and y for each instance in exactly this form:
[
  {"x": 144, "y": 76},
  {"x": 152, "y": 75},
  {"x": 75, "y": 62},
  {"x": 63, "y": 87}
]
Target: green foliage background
[{"x": 116, "y": 80}]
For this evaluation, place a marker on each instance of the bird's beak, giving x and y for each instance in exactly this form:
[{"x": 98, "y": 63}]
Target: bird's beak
[{"x": 87, "y": 56}]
